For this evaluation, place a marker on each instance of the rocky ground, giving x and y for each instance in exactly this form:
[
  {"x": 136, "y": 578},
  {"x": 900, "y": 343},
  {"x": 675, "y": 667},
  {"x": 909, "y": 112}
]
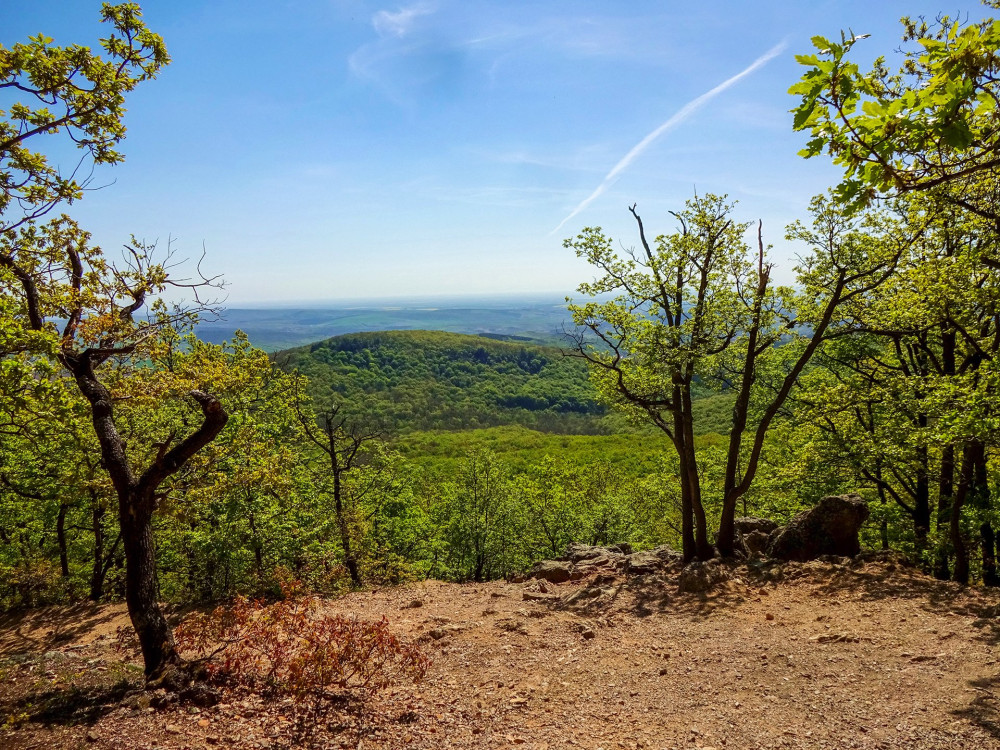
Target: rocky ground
[{"x": 796, "y": 655}]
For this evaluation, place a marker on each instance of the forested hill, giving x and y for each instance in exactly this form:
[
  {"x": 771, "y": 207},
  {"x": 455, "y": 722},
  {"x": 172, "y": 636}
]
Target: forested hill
[{"x": 430, "y": 380}]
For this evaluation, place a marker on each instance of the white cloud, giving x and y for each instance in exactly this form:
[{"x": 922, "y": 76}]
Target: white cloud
[{"x": 400, "y": 23}]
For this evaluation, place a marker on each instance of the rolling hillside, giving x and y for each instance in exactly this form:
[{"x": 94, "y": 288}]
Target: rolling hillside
[{"x": 431, "y": 380}]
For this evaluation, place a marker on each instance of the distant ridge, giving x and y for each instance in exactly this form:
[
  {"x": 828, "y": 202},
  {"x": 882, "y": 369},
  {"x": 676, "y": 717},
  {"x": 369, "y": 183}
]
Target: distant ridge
[{"x": 278, "y": 328}]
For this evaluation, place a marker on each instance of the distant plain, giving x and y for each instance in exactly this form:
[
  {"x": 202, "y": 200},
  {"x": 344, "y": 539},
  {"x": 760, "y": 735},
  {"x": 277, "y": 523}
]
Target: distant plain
[{"x": 539, "y": 320}]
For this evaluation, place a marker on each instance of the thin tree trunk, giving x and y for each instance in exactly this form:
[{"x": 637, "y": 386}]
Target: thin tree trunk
[
  {"x": 703, "y": 548},
  {"x": 98, "y": 570},
  {"x": 922, "y": 501},
  {"x": 945, "y": 512},
  {"x": 61, "y": 538},
  {"x": 988, "y": 541},
  {"x": 685, "y": 470},
  {"x": 343, "y": 527},
  {"x": 972, "y": 483}
]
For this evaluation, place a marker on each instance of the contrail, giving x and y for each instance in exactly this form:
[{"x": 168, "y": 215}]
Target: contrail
[{"x": 685, "y": 112}]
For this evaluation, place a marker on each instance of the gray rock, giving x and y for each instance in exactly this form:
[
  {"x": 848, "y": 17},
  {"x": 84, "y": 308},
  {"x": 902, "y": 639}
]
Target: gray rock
[
  {"x": 577, "y": 552},
  {"x": 755, "y": 542},
  {"x": 58, "y": 656},
  {"x": 829, "y": 528},
  {"x": 747, "y": 525},
  {"x": 200, "y": 695},
  {"x": 699, "y": 577},
  {"x": 652, "y": 560},
  {"x": 601, "y": 561},
  {"x": 553, "y": 571}
]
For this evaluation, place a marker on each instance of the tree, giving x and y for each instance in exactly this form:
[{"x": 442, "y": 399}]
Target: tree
[
  {"x": 233, "y": 516},
  {"x": 933, "y": 122},
  {"x": 480, "y": 520},
  {"x": 50, "y": 273},
  {"x": 60, "y": 280},
  {"x": 346, "y": 446},
  {"x": 904, "y": 402},
  {"x": 73, "y": 91},
  {"x": 698, "y": 307},
  {"x": 50, "y": 464}
]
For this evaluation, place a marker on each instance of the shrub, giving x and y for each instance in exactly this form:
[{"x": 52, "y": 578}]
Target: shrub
[{"x": 292, "y": 648}]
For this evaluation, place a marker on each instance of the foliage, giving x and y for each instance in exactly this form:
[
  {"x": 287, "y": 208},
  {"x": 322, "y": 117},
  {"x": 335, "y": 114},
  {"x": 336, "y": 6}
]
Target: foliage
[
  {"x": 909, "y": 397},
  {"x": 73, "y": 91},
  {"x": 929, "y": 123},
  {"x": 291, "y": 648},
  {"x": 696, "y": 306},
  {"x": 420, "y": 380}
]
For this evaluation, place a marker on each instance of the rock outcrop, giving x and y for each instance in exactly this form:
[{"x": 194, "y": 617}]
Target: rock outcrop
[
  {"x": 699, "y": 577},
  {"x": 581, "y": 560},
  {"x": 652, "y": 560},
  {"x": 829, "y": 528},
  {"x": 752, "y": 534},
  {"x": 553, "y": 571}
]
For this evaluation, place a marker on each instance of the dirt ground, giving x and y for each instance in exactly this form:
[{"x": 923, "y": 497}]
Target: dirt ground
[{"x": 829, "y": 656}]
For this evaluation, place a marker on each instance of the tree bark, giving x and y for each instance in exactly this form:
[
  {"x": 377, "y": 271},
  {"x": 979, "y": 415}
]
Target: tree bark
[
  {"x": 972, "y": 481},
  {"x": 61, "y": 537},
  {"x": 988, "y": 541},
  {"x": 156, "y": 638},
  {"x": 345, "y": 532},
  {"x": 945, "y": 512},
  {"x": 685, "y": 471}
]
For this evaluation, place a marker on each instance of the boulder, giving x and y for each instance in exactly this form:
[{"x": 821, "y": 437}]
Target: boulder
[
  {"x": 699, "y": 577},
  {"x": 755, "y": 542},
  {"x": 603, "y": 561},
  {"x": 748, "y": 525},
  {"x": 585, "y": 558},
  {"x": 829, "y": 528},
  {"x": 622, "y": 548},
  {"x": 577, "y": 552},
  {"x": 552, "y": 571},
  {"x": 652, "y": 560}
]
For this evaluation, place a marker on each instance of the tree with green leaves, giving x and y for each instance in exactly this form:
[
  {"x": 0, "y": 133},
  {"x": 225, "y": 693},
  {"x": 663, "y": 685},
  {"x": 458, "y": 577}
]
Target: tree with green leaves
[
  {"x": 74, "y": 92},
  {"x": 345, "y": 447},
  {"x": 930, "y": 123},
  {"x": 480, "y": 520},
  {"x": 90, "y": 309},
  {"x": 905, "y": 402},
  {"x": 74, "y": 305},
  {"x": 698, "y": 306}
]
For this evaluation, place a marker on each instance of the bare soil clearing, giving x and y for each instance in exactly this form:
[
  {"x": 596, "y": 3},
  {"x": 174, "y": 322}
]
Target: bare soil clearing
[{"x": 831, "y": 656}]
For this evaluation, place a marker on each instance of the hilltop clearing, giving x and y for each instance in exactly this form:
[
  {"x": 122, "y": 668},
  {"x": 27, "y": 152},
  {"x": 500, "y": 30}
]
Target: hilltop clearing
[{"x": 870, "y": 656}]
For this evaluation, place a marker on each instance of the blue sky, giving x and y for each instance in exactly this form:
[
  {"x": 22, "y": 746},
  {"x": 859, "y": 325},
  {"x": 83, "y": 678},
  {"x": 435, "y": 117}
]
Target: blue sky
[{"x": 340, "y": 149}]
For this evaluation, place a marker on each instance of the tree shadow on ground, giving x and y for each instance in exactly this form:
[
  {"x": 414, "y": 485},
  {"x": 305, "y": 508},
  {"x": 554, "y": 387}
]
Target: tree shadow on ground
[
  {"x": 983, "y": 710},
  {"x": 891, "y": 582},
  {"x": 646, "y": 595},
  {"x": 70, "y": 705},
  {"x": 45, "y": 628},
  {"x": 659, "y": 597}
]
